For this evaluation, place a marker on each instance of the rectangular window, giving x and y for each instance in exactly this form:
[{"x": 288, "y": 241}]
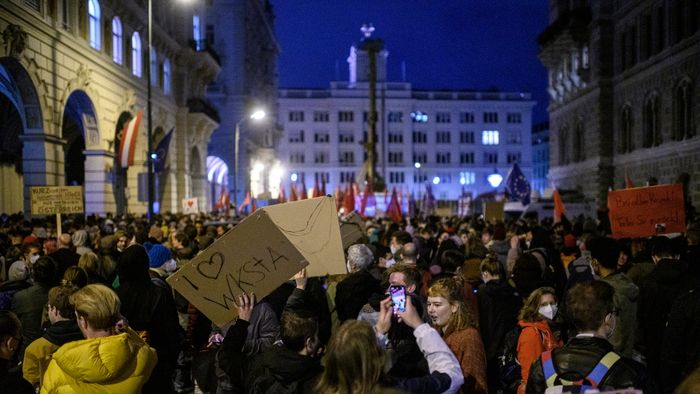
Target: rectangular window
[
  {"x": 346, "y": 116},
  {"x": 466, "y": 137},
  {"x": 490, "y": 117},
  {"x": 420, "y": 137},
  {"x": 346, "y": 157},
  {"x": 346, "y": 137},
  {"x": 322, "y": 137},
  {"x": 466, "y": 158},
  {"x": 395, "y": 138},
  {"x": 467, "y": 178},
  {"x": 513, "y": 138},
  {"x": 322, "y": 176},
  {"x": 442, "y": 157},
  {"x": 490, "y": 158},
  {"x": 395, "y": 117},
  {"x": 489, "y": 137},
  {"x": 466, "y": 117},
  {"x": 321, "y": 116},
  {"x": 420, "y": 177},
  {"x": 395, "y": 157},
  {"x": 296, "y": 116},
  {"x": 514, "y": 117},
  {"x": 296, "y": 137},
  {"x": 296, "y": 157},
  {"x": 346, "y": 176},
  {"x": 321, "y": 157},
  {"x": 420, "y": 157},
  {"x": 442, "y": 137},
  {"x": 396, "y": 177},
  {"x": 442, "y": 117},
  {"x": 513, "y": 157}
]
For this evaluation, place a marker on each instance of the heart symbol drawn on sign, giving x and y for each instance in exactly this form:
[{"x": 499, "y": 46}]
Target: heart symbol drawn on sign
[
  {"x": 189, "y": 203},
  {"x": 211, "y": 269}
]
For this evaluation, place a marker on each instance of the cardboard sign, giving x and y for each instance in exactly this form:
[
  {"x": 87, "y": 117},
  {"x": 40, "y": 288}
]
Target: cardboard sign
[
  {"x": 493, "y": 211},
  {"x": 352, "y": 229},
  {"x": 647, "y": 211},
  {"x": 190, "y": 205},
  {"x": 260, "y": 253},
  {"x": 312, "y": 226},
  {"x": 49, "y": 200}
]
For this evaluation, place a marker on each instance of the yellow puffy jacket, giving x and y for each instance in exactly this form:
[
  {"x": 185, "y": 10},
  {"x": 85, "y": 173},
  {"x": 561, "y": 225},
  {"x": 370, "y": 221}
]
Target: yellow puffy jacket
[{"x": 115, "y": 364}]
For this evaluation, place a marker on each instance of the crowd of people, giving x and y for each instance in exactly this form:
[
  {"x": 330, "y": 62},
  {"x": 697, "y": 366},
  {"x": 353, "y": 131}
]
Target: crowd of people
[{"x": 515, "y": 307}]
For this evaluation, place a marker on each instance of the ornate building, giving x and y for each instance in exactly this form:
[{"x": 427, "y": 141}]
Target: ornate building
[
  {"x": 623, "y": 86},
  {"x": 242, "y": 31},
  {"x": 73, "y": 73},
  {"x": 455, "y": 140}
]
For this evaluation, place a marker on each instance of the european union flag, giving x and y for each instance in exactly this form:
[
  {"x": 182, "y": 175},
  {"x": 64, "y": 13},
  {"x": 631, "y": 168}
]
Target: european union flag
[
  {"x": 162, "y": 152},
  {"x": 518, "y": 186}
]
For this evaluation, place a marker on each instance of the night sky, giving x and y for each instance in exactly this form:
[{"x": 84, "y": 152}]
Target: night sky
[{"x": 446, "y": 44}]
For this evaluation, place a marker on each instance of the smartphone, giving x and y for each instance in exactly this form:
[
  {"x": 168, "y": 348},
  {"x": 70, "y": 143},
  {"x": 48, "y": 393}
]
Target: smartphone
[{"x": 398, "y": 298}]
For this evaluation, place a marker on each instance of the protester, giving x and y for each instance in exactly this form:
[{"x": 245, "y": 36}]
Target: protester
[
  {"x": 592, "y": 311},
  {"x": 65, "y": 256},
  {"x": 11, "y": 380},
  {"x": 452, "y": 318},
  {"x": 354, "y": 291},
  {"x": 536, "y": 336},
  {"x": 29, "y": 303},
  {"x": 107, "y": 361}
]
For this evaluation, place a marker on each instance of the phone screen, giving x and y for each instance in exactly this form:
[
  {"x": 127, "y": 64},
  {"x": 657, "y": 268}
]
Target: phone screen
[{"x": 398, "y": 298}]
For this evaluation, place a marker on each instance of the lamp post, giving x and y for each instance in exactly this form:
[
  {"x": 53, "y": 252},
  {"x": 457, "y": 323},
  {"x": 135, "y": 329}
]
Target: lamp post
[
  {"x": 256, "y": 115},
  {"x": 149, "y": 109}
]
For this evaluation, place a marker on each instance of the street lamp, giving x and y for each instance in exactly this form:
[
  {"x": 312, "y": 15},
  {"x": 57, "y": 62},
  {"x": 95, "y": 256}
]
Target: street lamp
[{"x": 257, "y": 115}]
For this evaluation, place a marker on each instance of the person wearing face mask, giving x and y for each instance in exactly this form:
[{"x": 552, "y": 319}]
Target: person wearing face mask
[
  {"x": 589, "y": 357},
  {"x": 536, "y": 336}
]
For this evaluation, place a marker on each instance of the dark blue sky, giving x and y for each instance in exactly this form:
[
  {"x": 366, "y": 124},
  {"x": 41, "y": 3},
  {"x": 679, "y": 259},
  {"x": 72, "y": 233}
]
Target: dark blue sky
[{"x": 446, "y": 44}]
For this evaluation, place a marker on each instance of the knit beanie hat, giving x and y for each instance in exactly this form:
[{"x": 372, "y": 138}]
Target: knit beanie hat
[{"x": 157, "y": 255}]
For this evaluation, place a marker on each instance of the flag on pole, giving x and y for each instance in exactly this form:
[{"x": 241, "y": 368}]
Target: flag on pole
[
  {"x": 282, "y": 198},
  {"x": 162, "y": 152},
  {"x": 349, "y": 199},
  {"x": 293, "y": 192},
  {"x": 559, "y": 208},
  {"x": 244, "y": 204},
  {"x": 411, "y": 205},
  {"x": 127, "y": 144},
  {"x": 365, "y": 197},
  {"x": 252, "y": 205},
  {"x": 304, "y": 195},
  {"x": 317, "y": 190},
  {"x": 517, "y": 185},
  {"x": 393, "y": 211},
  {"x": 338, "y": 198},
  {"x": 428, "y": 205}
]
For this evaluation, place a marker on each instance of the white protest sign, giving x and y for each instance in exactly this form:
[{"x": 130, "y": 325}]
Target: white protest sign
[{"x": 190, "y": 205}]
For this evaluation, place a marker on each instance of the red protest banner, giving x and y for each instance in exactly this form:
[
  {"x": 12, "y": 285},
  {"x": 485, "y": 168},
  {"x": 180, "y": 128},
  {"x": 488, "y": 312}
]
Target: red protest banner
[{"x": 647, "y": 211}]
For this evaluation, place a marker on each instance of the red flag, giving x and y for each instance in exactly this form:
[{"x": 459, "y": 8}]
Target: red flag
[
  {"x": 252, "y": 205},
  {"x": 338, "y": 198},
  {"x": 303, "y": 195},
  {"x": 559, "y": 208},
  {"x": 349, "y": 199},
  {"x": 628, "y": 181},
  {"x": 245, "y": 203},
  {"x": 394, "y": 209},
  {"x": 293, "y": 192},
  {"x": 281, "y": 198},
  {"x": 127, "y": 143},
  {"x": 365, "y": 197},
  {"x": 316, "y": 192},
  {"x": 227, "y": 203}
]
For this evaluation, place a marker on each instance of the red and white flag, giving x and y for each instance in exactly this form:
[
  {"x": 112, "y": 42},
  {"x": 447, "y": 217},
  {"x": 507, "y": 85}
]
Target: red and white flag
[{"x": 127, "y": 145}]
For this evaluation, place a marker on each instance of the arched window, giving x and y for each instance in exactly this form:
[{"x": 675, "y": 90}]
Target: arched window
[
  {"x": 579, "y": 153},
  {"x": 136, "y": 57},
  {"x": 94, "y": 23},
  {"x": 682, "y": 111},
  {"x": 625, "y": 142},
  {"x": 117, "y": 41},
  {"x": 563, "y": 159},
  {"x": 652, "y": 134},
  {"x": 197, "y": 33},
  {"x": 166, "y": 76}
]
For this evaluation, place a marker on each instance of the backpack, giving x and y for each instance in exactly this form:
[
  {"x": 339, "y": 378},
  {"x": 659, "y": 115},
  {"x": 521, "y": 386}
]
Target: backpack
[
  {"x": 508, "y": 365},
  {"x": 556, "y": 384}
]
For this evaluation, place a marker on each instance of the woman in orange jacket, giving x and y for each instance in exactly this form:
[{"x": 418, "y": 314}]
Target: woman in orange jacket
[{"x": 536, "y": 336}]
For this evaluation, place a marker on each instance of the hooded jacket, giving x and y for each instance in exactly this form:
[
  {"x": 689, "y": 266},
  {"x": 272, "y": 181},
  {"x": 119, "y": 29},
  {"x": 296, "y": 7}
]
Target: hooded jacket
[
  {"x": 38, "y": 353},
  {"x": 535, "y": 338},
  {"x": 115, "y": 364},
  {"x": 626, "y": 295}
]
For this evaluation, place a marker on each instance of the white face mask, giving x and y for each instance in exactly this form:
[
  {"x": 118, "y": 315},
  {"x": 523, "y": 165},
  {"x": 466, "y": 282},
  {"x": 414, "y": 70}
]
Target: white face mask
[
  {"x": 548, "y": 311},
  {"x": 390, "y": 263},
  {"x": 169, "y": 266},
  {"x": 34, "y": 258}
]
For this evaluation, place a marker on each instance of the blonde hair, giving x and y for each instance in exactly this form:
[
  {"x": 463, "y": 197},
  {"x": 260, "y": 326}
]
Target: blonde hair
[
  {"x": 354, "y": 361},
  {"x": 98, "y": 305},
  {"x": 530, "y": 312},
  {"x": 90, "y": 262},
  {"x": 451, "y": 290}
]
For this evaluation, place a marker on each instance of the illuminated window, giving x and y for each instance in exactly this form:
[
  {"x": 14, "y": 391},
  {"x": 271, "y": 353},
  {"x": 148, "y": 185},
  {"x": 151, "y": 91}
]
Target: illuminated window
[
  {"x": 117, "y": 41},
  {"x": 489, "y": 137},
  {"x": 197, "y": 33},
  {"x": 94, "y": 18},
  {"x": 467, "y": 178},
  {"x": 136, "y": 57}
]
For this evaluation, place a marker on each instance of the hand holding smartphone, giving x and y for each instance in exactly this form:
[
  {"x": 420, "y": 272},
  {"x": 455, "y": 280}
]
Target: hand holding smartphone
[{"x": 398, "y": 298}]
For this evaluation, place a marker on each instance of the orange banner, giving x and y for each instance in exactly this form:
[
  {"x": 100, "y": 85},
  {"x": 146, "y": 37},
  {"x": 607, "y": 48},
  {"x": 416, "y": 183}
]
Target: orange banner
[{"x": 647, "y": 211}]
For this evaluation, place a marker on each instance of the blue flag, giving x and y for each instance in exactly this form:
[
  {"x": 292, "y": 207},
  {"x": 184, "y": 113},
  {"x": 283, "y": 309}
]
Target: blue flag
[
  {"x": 162, "y": 152},
  {"x": 518, "y": 186}
]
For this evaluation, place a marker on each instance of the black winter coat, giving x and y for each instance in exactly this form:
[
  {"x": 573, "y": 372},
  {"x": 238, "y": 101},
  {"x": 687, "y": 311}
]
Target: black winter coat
[{"x": 680, "y": 353}]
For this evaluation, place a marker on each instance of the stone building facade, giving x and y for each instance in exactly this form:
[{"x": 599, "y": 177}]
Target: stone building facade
[
  {"x": 72, "y": 73},
  {"x": 624, "y": 93}
]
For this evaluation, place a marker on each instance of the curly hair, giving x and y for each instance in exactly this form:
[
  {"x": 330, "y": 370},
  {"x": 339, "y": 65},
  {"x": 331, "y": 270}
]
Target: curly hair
[
  {"x": 530, "y": 310},
  {"x": 451, "y": 290}
]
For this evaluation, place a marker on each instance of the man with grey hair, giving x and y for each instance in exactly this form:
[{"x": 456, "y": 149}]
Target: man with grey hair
[
  {"x": 354, "y": 291},
  {"x": 409, "y": 255}
]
